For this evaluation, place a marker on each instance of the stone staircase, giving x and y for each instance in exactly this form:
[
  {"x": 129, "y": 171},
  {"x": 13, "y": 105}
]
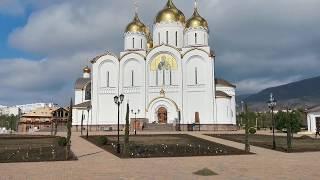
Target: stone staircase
[{"x": 159, "y": 127}]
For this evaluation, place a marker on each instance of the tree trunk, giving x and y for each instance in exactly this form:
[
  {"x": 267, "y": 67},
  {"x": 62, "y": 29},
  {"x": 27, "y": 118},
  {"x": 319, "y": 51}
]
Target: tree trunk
[
  {"x": 126, "y": 135},
  {"x": 69, "y": 126}
]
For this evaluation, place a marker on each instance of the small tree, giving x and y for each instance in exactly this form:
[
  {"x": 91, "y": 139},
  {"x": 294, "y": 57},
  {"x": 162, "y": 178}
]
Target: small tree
[
  {"x": 69, "y": 126},
  {"x": 126, "y": 135},
  {"x": 289, "y": 133}
]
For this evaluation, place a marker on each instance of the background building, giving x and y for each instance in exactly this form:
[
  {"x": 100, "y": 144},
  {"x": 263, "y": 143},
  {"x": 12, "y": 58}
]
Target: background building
[
  {"x": 313, "y": 118},
  {"x": 44, "y": 119}
]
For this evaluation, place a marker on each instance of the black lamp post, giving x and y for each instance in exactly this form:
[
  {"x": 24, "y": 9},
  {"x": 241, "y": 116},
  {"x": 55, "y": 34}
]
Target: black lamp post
[
  {"x": 118, "y": 100},
  {"x": 135, "y": 119},
  {"x": 271, "y": 104},
  {"x": 88, "y": 109}
]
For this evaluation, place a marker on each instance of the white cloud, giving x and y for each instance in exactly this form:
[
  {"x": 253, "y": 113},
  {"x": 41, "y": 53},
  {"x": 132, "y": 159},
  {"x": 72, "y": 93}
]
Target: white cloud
[
  {"x": 11, "y": 7},
  {"x": 30, "y": 80},
  {"x": 253, "y": 85}
]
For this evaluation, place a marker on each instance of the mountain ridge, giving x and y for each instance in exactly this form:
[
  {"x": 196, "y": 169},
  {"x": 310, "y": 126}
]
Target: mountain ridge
[{"x": 298, "y": 94}]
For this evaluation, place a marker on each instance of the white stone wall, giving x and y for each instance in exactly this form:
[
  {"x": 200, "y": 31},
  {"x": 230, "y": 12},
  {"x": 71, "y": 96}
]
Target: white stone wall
[
  {"x": 77, "y": 116},
  {"x": 198, "y": 92},
  {"x": 174, "y": 31},
  {"x": 132, "y": 84},
  {"x": 224, "y": 111},
  {"x": 135, "y": 41},
  {"x": 196, "y": 37},
  {"x": 104, "y": 88},
  {"x": 231, "y": 92},
  {"x": 173, "y": 92}
]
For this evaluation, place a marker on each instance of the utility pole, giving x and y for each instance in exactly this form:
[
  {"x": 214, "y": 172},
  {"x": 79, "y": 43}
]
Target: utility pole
[{"x": 246, "y": 117}]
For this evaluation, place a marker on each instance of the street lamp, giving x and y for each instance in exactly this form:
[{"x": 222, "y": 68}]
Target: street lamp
[
  {"x": 135, "y": 119},
  {"x": 118, "y": 100},
  {"x": 271, "y": 104},
  {"x": 88, "y": 109}
]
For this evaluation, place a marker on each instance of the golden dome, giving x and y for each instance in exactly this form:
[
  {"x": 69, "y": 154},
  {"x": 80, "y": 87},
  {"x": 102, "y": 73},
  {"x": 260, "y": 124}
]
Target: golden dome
[
  {"x": 86, "y": 70},
  {"x": 149, "y": 39},
  {"x": 170, "y": 14},
  {"x": 150, "y": 43},
  {"x": 197, "y": 21},
  {"x": 136, "y": 26}
]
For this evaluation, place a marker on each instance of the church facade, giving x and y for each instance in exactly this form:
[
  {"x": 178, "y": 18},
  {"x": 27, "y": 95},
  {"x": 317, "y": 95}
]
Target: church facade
[{"x": 167, "y": 76}]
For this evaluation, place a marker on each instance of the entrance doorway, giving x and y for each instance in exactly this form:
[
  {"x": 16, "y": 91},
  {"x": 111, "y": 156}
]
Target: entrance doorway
[
  {"x": 317, "y": 122},
  {"x": 162, "y": 115}
]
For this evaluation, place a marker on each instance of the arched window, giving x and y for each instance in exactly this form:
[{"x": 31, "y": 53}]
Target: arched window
[
  {"x": 176, "y": 38},
  {"x": 88, "y": 92},
  {"x": 133, "y": 43},
  {"x": 167, "y": 37},
  {"x": 141, "y": 43},
  {"x": 132, "y": 78},
  {"x": 196, "y": 38},
  {"x": 196, "y": 75},
  {"x": 108, "y": 79}
]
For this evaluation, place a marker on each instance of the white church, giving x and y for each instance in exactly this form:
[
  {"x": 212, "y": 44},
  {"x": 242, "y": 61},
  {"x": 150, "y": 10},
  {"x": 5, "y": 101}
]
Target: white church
[{"x": 167, "y": 75}]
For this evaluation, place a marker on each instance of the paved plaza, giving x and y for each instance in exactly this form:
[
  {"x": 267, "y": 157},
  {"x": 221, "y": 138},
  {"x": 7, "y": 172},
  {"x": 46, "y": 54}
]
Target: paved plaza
[{"x": 95, "y": 163}]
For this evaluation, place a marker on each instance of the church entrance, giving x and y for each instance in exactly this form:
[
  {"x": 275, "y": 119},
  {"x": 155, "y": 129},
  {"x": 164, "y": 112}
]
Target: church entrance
[{"x": 162, "y": 115}]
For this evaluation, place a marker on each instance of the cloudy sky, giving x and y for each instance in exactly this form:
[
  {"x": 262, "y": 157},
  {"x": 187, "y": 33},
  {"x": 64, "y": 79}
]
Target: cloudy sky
[{"x": 44, "y": 44}]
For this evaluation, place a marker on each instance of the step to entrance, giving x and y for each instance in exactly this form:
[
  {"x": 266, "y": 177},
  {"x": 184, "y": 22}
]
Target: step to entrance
[{"x": 159, "y": 127}]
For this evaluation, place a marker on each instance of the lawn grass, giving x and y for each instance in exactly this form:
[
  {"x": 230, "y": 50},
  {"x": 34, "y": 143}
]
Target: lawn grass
[
  {"x": 299, "y": 144},
  {"x": 26, "y": 148},
  {"x": 205, "y": 172},
  {"x": 149, "y": 146}
]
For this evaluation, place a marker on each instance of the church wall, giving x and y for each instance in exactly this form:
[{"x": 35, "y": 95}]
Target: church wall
[
  {"x": 135, "y": 41},
  {"x": 195, "y": 37},
  {"x": 174, "y": 30},
  {"x": 105, "y": 87},
  {"x": 172, "y": 91},
  {"x": 78, "y": 96},
  {"x": 231, "y": 92},
  {"x": 77, "y": 116},
  {"x": 198, "y": 87},
  {"x": 132, "y": 85},
  {"x": 224, "y": 111}
]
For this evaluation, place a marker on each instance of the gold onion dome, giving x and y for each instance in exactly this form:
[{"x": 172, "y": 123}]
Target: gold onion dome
[
  {"x": 86, "y": 69},
  {"x": 149, "y": 38},
  {"x": 136, "y": 26},
  {"x": 197, "y": 21},
  {"x": 150, "y": 42},
  {"x": 170, "y": 14}
]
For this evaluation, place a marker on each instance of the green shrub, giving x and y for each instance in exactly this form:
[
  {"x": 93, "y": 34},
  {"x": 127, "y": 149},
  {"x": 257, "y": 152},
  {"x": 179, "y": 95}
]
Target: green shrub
[
  {"x": 62, "y": 141},
  {"x": 102, "y": 140},
  {"x": 252, "y": 130}
]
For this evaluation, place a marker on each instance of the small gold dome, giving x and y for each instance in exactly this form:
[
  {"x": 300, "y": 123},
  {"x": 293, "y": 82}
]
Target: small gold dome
[
  {"x": 150, "y": 43},
  {"x": 149, "y": 39},
  {"x": 170, "y": 14},
  {"x": 197, "y": 21},
  {"x": 86, "y": 70},
  {"x": 136, "y": 26}
]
